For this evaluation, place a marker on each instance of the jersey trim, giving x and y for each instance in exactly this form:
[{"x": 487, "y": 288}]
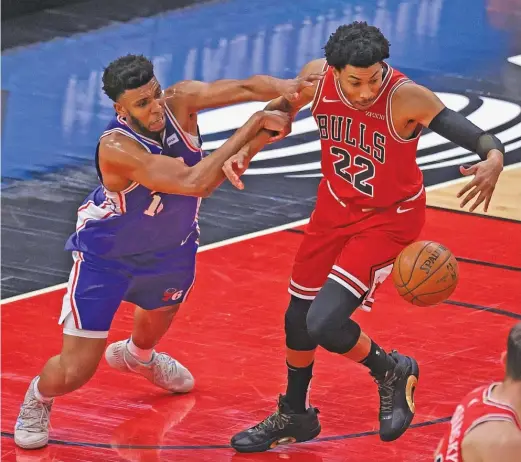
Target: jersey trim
[
  {"x": 490, "y": 401},
  {"x": 489, "y": 418},
  {"x": 122, "y": 121},
  {"x": 184, "y": 135},
  {"x": 389, "y": 112},
  {"x": 90, "y": 211}
]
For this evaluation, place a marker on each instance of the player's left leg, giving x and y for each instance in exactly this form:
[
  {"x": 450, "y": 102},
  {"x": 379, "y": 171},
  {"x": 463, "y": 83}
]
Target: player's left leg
[
  {"x": 365, "y": 262},
  {"x": 158, "y": 294}
]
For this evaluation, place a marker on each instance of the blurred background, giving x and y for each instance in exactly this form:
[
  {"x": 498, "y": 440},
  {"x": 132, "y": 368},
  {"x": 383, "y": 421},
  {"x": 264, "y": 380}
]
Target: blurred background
[{"x": 53, "y": 111}]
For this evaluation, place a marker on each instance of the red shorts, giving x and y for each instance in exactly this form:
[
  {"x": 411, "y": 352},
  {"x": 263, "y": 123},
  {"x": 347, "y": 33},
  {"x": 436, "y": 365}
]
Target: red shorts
[{"x": 353, "y": 246}]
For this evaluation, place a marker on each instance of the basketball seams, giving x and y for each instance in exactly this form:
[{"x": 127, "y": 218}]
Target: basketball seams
[
  {"x": 416, "y": 261},
  {"x": 430, "y": 275},
  {"x": 417, "y": 297}
]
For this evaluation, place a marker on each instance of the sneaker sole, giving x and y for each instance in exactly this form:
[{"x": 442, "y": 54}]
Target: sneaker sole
[
  {"x": 415, "y": 371},
  {"x": 274, "y": 442},
  {"x": 35, "y": 445}
]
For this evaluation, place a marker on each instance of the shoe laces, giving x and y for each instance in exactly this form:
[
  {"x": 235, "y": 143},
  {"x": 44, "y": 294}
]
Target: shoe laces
[
  {"x": 276, "y": 421},
  {"x": 165, "y": 368},
  {"x": 386, "y": 387},
  {"x": 34, "y": 415}
]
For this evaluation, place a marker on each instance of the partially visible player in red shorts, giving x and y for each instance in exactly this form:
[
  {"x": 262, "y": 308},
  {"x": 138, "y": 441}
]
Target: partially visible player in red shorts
[
  {"x": 370, "y": 205},
  {"x": 486, "y": 425}
]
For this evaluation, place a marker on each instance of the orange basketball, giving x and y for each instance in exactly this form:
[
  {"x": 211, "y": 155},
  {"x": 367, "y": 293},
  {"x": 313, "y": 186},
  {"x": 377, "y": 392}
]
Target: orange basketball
[{"x": 425, "y": 273}]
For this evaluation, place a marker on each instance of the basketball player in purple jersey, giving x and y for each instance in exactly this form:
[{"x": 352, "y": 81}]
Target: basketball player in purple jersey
[{"x": 137, "y": 234}]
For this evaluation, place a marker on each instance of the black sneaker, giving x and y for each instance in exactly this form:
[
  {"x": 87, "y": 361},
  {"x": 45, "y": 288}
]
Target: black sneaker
[
  {"x": 282, "y": 427},
  {"x": 396, "y": 391}
]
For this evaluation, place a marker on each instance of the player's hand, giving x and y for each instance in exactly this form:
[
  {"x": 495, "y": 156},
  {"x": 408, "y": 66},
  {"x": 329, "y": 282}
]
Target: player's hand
[
  {"x": 486, "y": 174},
  {"x": 235, "y": 166},
  {"x": 291, "y": 88},
  {"x": 280, "y": 134},
  {"x": 275, "y": 120},
  {"x": 282, "y": 125}
]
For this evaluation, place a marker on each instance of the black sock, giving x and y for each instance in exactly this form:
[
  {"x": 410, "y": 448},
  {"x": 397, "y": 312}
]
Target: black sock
[
  {"x": 298, "y": 384},
  {"x": 378, "y": 361}
]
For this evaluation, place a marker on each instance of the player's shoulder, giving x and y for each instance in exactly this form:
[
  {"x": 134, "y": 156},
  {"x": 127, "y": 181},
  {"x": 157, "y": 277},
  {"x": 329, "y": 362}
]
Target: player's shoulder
[
  {"x": 315, "y": 66},
  {"x": 496, "y": 440},
  {"x": 410, "y": 90},
  {"x": 412, "y": 101},
  {"x": 118, "y": 143},
  {"x": 182, "y": 88}
]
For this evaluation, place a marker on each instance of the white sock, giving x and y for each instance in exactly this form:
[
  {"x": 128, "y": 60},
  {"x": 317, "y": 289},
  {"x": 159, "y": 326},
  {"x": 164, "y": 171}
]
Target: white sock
[
  {"x": 37, "y": 393},
  {"x": 145, "y": 356}
]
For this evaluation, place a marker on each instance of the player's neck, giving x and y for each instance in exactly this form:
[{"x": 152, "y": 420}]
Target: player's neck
[{"x": 509, "y": 392}]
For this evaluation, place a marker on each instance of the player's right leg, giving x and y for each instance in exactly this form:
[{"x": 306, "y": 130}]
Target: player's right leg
[
  {"x": 161, "y": 283},
  {"x": 295, "y": 420},
  {"x": 93, "y": 295}
]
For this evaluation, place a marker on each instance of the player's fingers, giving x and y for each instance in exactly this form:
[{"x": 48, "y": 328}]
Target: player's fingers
[
  {"x": 469, "y": 197},
  {"x": 315, "y": 76},
  {"x": 235, "y": 180},
  {"x": 468, "y": 170},
  {"x": 228, "y": 170},
  {"x": 467, "y": 187},
  {"x": 482, "y": 196},
  {"x": 487, "y": 200}
]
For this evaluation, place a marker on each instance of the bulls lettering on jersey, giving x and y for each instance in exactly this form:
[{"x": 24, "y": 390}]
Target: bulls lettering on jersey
[
  {"x": 363, "y": 158},
  {"x": 137, "y": 220},
  {"x": 477, "y": 408}
]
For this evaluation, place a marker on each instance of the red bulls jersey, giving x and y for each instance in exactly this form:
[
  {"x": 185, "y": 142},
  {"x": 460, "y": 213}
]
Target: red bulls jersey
[
  {"x": 363, "y": 158},
  {"x": 476, "y": 408}
]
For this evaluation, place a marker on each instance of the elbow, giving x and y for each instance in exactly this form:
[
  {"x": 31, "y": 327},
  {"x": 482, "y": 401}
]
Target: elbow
[
  {"x": 196, "y": 186},
  {"x": 204, "y": 192}
]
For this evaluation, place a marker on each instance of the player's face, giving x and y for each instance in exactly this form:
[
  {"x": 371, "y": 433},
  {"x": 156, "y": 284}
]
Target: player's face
[
  {"x": 360, "y": 84},
  {"x": 144, "y": 106}
]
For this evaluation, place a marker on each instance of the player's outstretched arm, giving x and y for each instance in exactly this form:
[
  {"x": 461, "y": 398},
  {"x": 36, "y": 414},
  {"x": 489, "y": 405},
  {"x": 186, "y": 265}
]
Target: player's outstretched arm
[
  {"x": 124, "y": 159},
  {"x": 416, "y": 103},
  {"x": 235, "y": 166},
  {"x": 195, "y": 95}
]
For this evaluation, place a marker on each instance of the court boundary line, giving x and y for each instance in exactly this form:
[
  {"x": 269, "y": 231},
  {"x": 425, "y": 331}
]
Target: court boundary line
[
  {"x": 53, "y": 442},
  {"x": 243, "y": 237}
]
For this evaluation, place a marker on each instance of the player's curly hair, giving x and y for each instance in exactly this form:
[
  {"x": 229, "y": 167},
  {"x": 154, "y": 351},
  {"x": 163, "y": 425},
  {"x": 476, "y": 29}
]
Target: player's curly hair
[
  {"x": 126, "y": 73},
  {"x": 514, "y": 353},
  {"x": 356, "y": 44}
]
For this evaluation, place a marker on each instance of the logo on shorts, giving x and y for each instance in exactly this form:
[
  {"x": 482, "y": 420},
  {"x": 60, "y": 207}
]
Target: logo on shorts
[{"x": 172, "y": 294}]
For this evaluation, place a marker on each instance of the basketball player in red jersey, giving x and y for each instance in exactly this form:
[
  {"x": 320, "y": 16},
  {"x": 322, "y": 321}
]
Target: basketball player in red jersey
[
  {"x": 486, "y": 426},
  {"x": 370, "y": 205}
]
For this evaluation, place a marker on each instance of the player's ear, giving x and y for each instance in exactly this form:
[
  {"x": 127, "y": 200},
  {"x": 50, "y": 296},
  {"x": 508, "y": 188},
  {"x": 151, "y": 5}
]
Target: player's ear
[
  {"x": 120, "y": 109},
  {"x": 336, "y": 73},
  {"x": 504, "y": 359}
]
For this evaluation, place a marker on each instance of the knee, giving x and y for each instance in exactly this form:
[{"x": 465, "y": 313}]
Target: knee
[
  {"x": 297, "y": 336},
  {"x": 77, "y": 374},
  {"x": 79, "y": 361},
  {"x": 328, "y": 319}
]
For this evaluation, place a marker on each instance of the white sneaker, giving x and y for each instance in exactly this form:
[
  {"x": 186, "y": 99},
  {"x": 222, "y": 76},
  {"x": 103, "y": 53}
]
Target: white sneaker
[
  {"x": 31, "y": 430},
  {"x": 162, "y": 370}
]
